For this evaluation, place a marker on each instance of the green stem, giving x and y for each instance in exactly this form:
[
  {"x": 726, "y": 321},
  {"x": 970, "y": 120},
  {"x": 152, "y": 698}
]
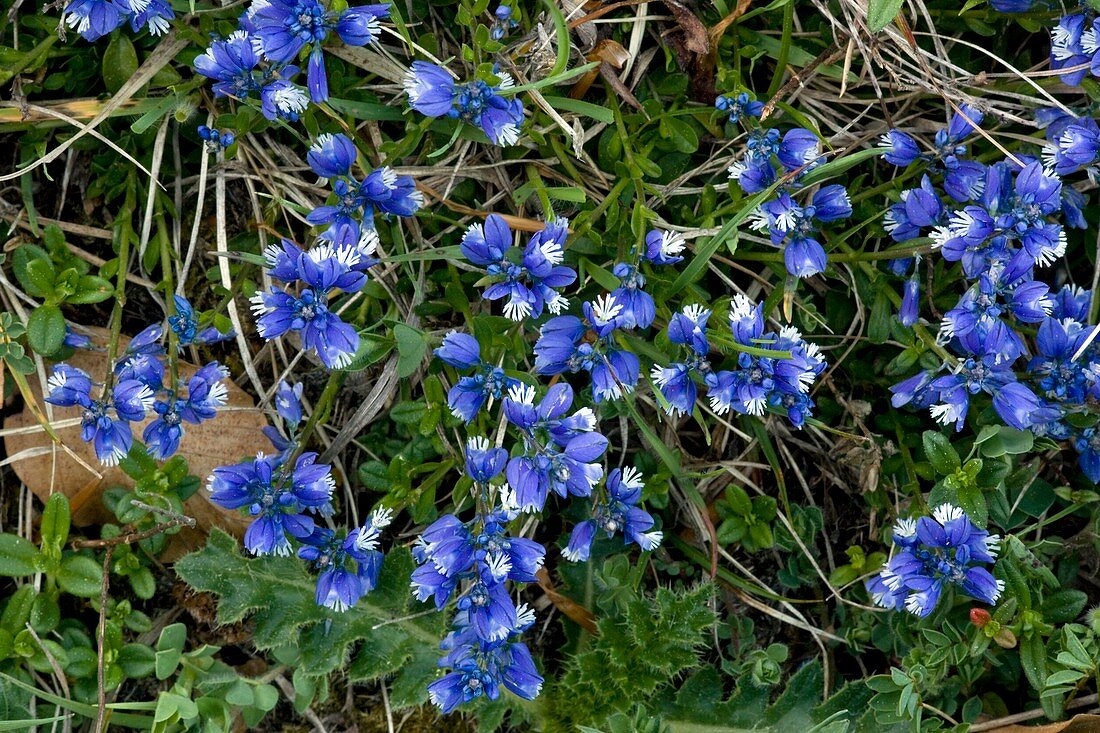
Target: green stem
[
  {"x": 169, "y": 301},
  {"x": 784, "y": 50},
  {"x": 120, "y": 290},
  {"x": 320, "y": 410}
]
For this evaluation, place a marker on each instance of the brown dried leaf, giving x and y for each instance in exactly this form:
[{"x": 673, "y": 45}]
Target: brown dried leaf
[
  {"x": 234, "y": 435},
  {"x": 575, "y": 611},
  {"x": 691, "y": 43}
]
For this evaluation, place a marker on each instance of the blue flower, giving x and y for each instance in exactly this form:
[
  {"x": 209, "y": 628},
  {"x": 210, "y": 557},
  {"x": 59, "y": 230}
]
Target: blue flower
[
  {"x": 1067, "y": 48},
  {"x": 503, "y": 22},
  {"x": 350, "y": 218},
  {"x": 205, "y": 394},
  {"x": 533, "y": 283},
  {"x": 800, "y": 148},
  {"x": 1087, "y": 444},
  {"x": 549, "y": 415},
  {"x": 761, "y": 382},
  {"x": 232, "y": 64},
  {"x": 186, "y": 326},
  {"x": 479, "y": 669},
  {"x": 663, "y": 247},
  {"x": 562, "y": 347},
  {"x": 110, "y": 436},
  {"x": 570, "y": 471},
  {"x": 320, "y": 271},
  {"x": 910, "y": 303},
  {"x": 1059, "y": 377},
  {"x": 433, "y": 92},
  {"x": 94, "y": 19},
  {"x": 349, "y": 565},
  {"x": 796, "y": 226},
  {"x": 154, "y": 17},
  {"x": 689, "y": 328},
  {"x": 919, "y": 208},
  {"x": 899, "y": 148},
  {"x": 483, "y": 462},
  {"x": 738, "y": 106},
  {"x": 286, "y": 27},
  {"x": 214, "y": 139},
  {"x": 639, "y": 310},
  {"x": 288, "y": 402},
  {"x": 933, "y": 553},
  {"x": 332, "y": 155},
  {"x": 470, "y": 393},
  {"x": 1010, "y": 211},
  {"x": 619, "y": 512},
  {"x": 282, "y": 99},
  {"x": 277, "y": 495}
]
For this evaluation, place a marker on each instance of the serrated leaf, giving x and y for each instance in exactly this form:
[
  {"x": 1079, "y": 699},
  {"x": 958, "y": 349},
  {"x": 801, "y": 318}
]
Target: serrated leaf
[{"x": 277, "y": 595}]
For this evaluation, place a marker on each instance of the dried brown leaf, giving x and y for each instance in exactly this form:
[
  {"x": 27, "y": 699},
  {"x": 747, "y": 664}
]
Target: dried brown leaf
[{"x": 234, "y": 435}]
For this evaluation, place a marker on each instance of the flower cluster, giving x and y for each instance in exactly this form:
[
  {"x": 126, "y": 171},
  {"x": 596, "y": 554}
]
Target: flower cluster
[
  {"x": 531, "y": 284},
  {"x": 794, "y": 227},
  {"x": 560, "y": 451},
  {"x": 93, "y": 19},
  {"x": 260, "y": 57},
  {"x": 214, "y": 139},
  {"x": 1013, "y": 221},
  {"x": 617, "y": 512},
  {"x": 935, "y": 552},
  {"x": 738, "y": 106},
  {"x": 770, "y": 160},
  {"x": 471, "y": 392},
  {"x": 140, "y": 386},
  {"x": 350, "y": 216},
  {"x": 568, "y": 344},
  {"x": 433, "y": 91},
  {"x": 348, "y": 564},
  {"x": 475, "y": 560},
  {"x": 281, "y": 495},
  {"x": 774, "y": 370},
  {"x": 316, "y": 275}
]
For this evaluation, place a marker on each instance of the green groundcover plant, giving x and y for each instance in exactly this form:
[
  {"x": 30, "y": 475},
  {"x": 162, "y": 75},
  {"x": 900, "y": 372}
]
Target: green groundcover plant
[{"x": 656, "y": 366}]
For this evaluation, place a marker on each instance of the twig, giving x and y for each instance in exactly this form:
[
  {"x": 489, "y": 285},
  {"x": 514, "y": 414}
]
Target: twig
[
  {"x": 1029, "y": 715},
  {"x": 131, "y": 537},
  {"x": 798, "y": 78},
  {"x": 101, "y": 635}
]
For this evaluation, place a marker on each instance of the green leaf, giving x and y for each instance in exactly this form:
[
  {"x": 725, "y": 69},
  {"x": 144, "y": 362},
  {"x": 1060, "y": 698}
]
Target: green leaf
[
  {"x": 1063, "y": 606},
  {"x": 880, "y": 13},
  {"x": 56, "y": 521},
  {"x": 1033, "y": 659},
  {"x": 91, "y": 289},
  {"x": 972, "y": 501},
  {"x": 46, "y": 329},
  {"x": 81, "y": 576},
  {"x": 136, "y": 660},
  {"x": 120, "y": 61},
  {"x": 411, "y": 347},
  {"x": 940, "y": 453},
  {"x": 165, "y": 662},
  {"x": 17, "y": 556},
  {"x": 384, "y": 630}
]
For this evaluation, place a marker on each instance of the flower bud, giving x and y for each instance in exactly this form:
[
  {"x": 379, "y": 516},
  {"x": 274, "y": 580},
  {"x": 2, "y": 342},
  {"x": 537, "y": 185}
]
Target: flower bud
[{"x": 979, "y": 617}]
